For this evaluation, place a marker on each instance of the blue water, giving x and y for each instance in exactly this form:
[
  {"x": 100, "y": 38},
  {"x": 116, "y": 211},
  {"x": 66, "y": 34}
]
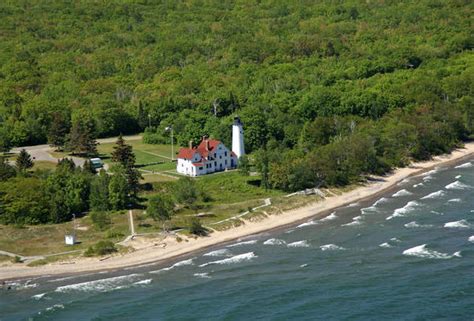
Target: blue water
[{"x": 394, "y": 258}]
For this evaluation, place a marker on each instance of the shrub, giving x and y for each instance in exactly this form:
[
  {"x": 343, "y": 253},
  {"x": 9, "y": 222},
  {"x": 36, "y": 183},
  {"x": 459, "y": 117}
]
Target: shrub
[
  {"x": 101, "y": 248},
  {"x": 101, "y": 220},
  {"x": 112, "y": 234},
  {"x": 196, "y": 228}
]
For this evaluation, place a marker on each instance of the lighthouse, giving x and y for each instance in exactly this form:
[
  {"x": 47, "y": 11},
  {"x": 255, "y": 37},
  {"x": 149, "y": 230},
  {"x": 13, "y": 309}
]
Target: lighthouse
[{"x": 238, "y": 138}]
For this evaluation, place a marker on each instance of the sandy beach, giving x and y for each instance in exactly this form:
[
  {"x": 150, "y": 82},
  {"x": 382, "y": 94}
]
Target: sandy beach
[{"x": 149, "y": 250}]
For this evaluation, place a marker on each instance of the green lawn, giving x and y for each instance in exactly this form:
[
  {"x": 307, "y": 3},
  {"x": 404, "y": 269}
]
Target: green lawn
[{"x": 144, "y": 153}]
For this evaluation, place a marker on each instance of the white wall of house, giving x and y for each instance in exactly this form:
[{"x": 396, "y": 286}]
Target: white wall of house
[{"x": 218, "y": 160}]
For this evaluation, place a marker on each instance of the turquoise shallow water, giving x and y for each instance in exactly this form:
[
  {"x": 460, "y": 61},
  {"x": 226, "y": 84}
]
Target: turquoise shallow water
[{"x": 405, "y": 256}]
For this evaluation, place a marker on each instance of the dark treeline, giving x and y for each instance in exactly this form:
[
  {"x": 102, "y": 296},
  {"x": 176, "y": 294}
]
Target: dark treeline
[{"x": 120, "y": 66}]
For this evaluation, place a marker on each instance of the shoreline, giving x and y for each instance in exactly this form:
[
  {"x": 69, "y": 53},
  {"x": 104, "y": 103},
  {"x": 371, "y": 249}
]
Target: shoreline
[{"x": 177, "y": 250}]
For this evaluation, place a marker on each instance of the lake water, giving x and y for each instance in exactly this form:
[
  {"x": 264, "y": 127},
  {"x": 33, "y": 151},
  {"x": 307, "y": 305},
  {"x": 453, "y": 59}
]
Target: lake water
[{"x": 406, "y": 256}]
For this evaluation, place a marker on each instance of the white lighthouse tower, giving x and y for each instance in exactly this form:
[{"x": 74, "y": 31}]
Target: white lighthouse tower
[{"x": 238, "y": 138}]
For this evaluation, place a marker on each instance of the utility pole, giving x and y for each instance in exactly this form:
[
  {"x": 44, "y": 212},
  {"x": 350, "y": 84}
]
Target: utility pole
[{"x": 170, "y": 128}]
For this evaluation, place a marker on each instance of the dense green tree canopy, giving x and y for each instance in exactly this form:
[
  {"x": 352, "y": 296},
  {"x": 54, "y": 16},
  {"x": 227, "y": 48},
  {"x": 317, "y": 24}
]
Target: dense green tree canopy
[{"x": 280, "y": 64}]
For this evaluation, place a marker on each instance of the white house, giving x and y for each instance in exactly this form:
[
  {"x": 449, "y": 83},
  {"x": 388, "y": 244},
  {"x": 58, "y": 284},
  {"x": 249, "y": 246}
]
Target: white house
[{"x": 208, "y": 157}]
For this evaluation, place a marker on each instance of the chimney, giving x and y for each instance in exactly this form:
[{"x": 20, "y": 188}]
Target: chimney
[
  {"x": 190, "y": 144},
  {"x": 206, "y": 141}
]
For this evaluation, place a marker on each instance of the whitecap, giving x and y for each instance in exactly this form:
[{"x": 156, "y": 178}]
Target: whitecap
[
  {"x": 434, "y": 195},
  {"x": 55, "y": 307},
  {"x": 202, "y": 275},
  {"x": 385, "y": 245},
  {"x": 102, "y": 285},
  {"x": 427, "y": 178},
  {"x": 298, "y": 244},
  {"x": 235, "y": 259},
  {"x": 143, "y": 282},
  {"x": 353, "y": 204},
  {"x": 309, "y": 223},
  {"x": 418, "y": 185},
  {"x": 423, "y": 252},
  {"x": 431, "y": 172},
  {"x": 220, "y": 252},
  {"x": 394, "y": 239},
  {"x": 331, "y": 247},
  {"x": 465, "y": 165},
  {"x": 243, "y": 243},
  {"x": 401, "y": 193},
  {"x": 177, "y": 264},
  {"x": 457, "y": 185},
  {"x": 330, "y": 217},
  {"x": 400, "y": 212},
  {"x": 471, "y": 239},
  {"x": 38, "y": 296},
  {"x": 458, "y": 176},
  {"x": 455, "y": 200},
  {"x": 303, "y": 265},
  {"x": 458, "y": 224},
  {"x": 274, "y": 242},
  {"x": 414, "y": 224}
]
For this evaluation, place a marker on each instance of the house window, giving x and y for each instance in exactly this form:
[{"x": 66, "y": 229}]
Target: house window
[
  {"x": 200, "y": 167},
  {"x": 225, "y": 153},
  {"x": 226, "y": 161},
  {"x": 220, "y": 157},
  {"x": 215, "y": 164}
]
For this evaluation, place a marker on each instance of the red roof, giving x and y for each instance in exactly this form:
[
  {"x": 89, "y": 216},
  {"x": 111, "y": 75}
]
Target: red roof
[
  {"x": 197, "y": 164},
  {"x": 213, "y": 143},
  {"x": 186, "y": 153}
]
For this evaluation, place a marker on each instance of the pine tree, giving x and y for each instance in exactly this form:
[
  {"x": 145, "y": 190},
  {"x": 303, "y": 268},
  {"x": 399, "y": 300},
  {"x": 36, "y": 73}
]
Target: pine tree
[
  {"x": 58, "y": 131},
  {"x": 81, "y": 139},
  {"x": 6, "y": 170},
  {"x": 142, "y": 117},
  {"x": 23, "y": 161},
  {"x": 123, "y": 153}
]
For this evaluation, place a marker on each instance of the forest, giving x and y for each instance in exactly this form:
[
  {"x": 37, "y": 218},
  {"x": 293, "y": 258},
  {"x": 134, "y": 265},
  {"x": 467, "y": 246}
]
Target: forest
[{"x": 327, "y": 90}]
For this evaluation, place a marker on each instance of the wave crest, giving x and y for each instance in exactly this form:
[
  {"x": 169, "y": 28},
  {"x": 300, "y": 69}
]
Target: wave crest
[
  {"x": 457, "y": 185},
  {"x": 422, "y": 251},
  {"x": 402, "y": 192},
  {"x": 234, "y": 259},
  {"x": 458, "y": 224},
  {"x": 331, "y": 247},
  {"x": 274, "y": 242},
  {"x": 303, "y": 243}
]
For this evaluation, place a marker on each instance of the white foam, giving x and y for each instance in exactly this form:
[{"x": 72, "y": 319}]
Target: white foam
[
  {"x": 458, "y": 176},
  {"x": 235, "y": 259},
  {"x": 202, "y": 275},
  {"x": 331, "y": 247},
  {"x": 143, "y": 282},
  {"x": 274, "y": 242},
  {"x": 38, "y": 296},
  {"x": 243, "y": 243},
  {"x": 431, "y": 172},
  {"x": 400, "y": 212},
  {"x": 394, "y": 239},
  {"x": 418, "y": 185},
  {"x": 414, "y": 224},
  {"x": 177, "y": 264},
  {"x": 330, "y": 217},
  {"x": 434, "y": 195},
  {"x": 402, "y": 192},
  {"x": 457, "y": 185},
  {"x": 427, "y": 178},
  {"x": 465, "y": 165},
  {"x": 353, "y": 204},
  {"x": 303, "y": 265},
  {"x": 220, "y": 252},
  {"x": 455, "y": 200},
  {"x": 385, "y": 245},
  {"x": 102, "y": 285},
  {"x": 423, "y": 252},
  {"x": 309, "y": 223},
  {"x": 471, "y": 239},
  {"x": 55, "y": 307},
  {"x": 458, "y": 224},
  {"x": 298, "y": 244}
]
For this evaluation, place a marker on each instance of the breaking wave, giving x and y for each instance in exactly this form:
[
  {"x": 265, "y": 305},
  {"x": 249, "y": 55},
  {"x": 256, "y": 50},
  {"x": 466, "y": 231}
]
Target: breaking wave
[
  {"x": 427, "y": 178},
  {"x": 243, "y": 243},
  {"x": 465, "y": 165},
  {"x": 400, "y": 212},
  {"x": 402, "y": 192},
  {"x": 202, "y": 275},
  {"x": 419, "y": 184},
  {"x": 355, "y": 221},
  {"x": 434, "y": 195},
  {"x": 353, "y": 204},
  {"x": 221, "y": 252},
  {"x": 309, "y": 223},
  {"x": 414, "y": 224},
  {"x": 471, "y": 239},
  {"x": 298, "y": 244},
  {"x": 235, "y": 259},
  {"x": 458, "y": 224},
  {"x": 274, "y": 242},
  {"x": 455, "y": 200},
  {"x": 423, "y": 252},
  {"x": 102, "y": 285},
  {"x": 457, "y": 185},
  {"x": 143, "y": 282},
  {"x": 331, "y": 247},
  {"x": 54, "y": 307},
  {"x": 330, "y": 217},
  {"x": 386, "y": 245},
  {"x": 458, "y": 176},
  {"x": 38, "y": 296},
  {"x": 177, "y": 264},
  {"x": 303, "y": 265}
]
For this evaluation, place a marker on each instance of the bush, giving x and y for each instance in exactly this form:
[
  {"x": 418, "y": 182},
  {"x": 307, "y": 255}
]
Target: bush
[
  {"x": 17, "y": 259},
  {"x": 196, "y": 228},
  {"x": 112, "y": 234},
  {"x": 101, "y": 248},
  {"x": 101, "y": 220}
]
